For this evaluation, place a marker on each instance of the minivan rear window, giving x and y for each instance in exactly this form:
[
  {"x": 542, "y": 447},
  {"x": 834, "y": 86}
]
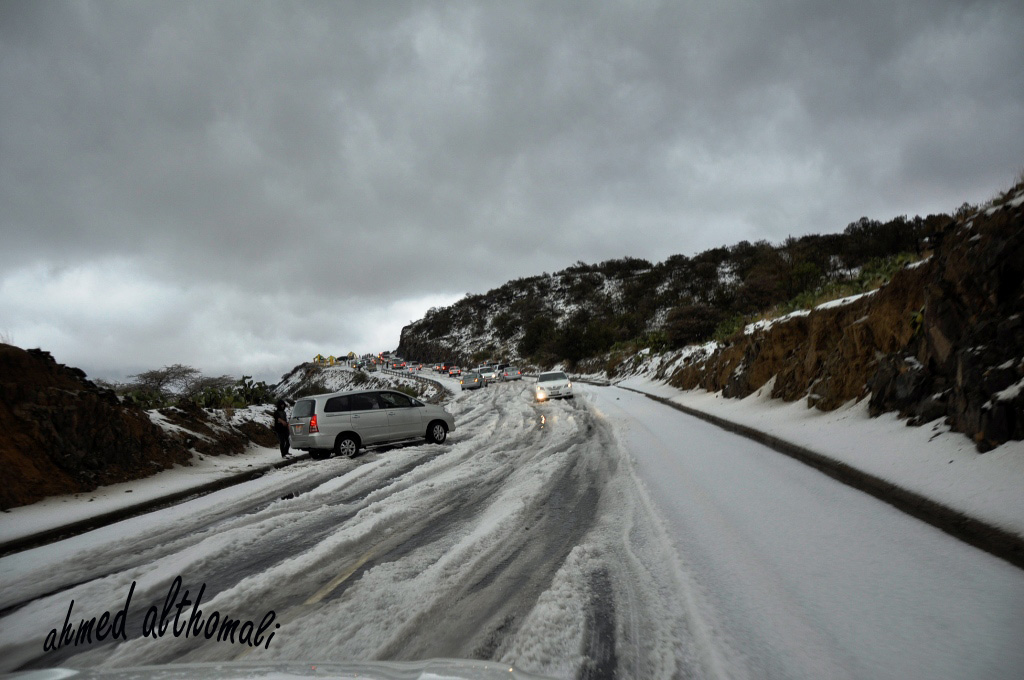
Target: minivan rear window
[{"x": 303, "y": 409}]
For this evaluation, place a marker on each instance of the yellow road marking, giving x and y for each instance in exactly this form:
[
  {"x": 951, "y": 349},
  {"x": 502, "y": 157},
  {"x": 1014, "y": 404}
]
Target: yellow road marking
[
  {"x": 339, "y": 579},
  {"x": 318, "y": 596}
]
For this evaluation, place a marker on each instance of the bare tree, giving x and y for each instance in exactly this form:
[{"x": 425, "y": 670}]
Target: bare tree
[
  {"x": 175, "y": 379},
  {"x": 202, "y": 383}
]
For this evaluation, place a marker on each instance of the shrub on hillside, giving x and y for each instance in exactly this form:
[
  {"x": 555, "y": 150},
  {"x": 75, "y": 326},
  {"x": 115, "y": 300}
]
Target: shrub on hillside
[{"x": 692, "y": 323}]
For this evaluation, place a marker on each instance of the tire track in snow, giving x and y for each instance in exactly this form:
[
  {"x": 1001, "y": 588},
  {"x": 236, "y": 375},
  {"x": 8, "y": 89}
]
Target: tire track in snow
[{"x": 423, "y": 551}]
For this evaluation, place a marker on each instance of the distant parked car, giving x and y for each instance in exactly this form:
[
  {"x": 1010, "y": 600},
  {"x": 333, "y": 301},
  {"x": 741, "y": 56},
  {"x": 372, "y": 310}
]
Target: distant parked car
[
  {"x": 344, "y": 422},
  {"x": 471, "y": 381},
  {"x": 553, "y": 385},
  {"x": 511, "y": 373}
]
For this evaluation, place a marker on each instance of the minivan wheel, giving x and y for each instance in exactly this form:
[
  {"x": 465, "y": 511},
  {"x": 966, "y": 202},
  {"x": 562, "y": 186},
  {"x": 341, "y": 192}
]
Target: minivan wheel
[
  {"x": 437, "y": 432},
  {"x": 346, "y": 445}
]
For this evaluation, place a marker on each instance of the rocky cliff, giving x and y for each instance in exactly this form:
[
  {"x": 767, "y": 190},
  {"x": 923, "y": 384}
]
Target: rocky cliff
[
  {"x": 943, "y": 339},
  {"x": 63, "y": 434}
]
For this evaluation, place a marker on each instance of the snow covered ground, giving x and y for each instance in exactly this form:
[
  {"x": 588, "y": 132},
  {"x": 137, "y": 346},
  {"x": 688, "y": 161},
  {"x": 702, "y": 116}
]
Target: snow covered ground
[
  {"x": 929, "y": 460},
  {"x": 610, "y": 533},
  {"x": 503, "y": 543},
  {"x": 59, "y": 511},
  {"x": 795, "y": 575}
]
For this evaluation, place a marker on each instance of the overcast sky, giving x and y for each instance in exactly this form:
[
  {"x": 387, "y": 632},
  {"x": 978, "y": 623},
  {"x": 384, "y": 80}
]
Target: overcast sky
[{"x": 240, "y": 185}]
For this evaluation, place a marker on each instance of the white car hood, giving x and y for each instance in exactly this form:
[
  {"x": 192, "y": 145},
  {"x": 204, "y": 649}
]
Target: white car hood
[{"x": 434, "y": 669}]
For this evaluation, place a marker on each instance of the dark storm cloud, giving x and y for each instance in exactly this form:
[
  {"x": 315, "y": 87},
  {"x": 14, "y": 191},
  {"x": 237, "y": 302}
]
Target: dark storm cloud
[{"x": 357, "y": 156}]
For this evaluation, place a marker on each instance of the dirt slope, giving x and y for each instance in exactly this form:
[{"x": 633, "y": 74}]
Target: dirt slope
[{"x": 63, "y": 434}]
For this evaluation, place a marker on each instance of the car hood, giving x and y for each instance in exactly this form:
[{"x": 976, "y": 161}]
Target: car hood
[{"x": 433, "y": 669}]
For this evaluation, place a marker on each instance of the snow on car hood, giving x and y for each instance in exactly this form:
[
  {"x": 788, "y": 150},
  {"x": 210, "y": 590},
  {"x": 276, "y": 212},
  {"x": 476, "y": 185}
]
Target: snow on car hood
[{"x": 434, "y": 669}]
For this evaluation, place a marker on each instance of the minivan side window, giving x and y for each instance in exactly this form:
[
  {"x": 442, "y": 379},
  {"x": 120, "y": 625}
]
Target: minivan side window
[
  {"x": 395, "y": 400},
  {"x": 337, "y": 405},
  {"x": 364, "y": 402}
]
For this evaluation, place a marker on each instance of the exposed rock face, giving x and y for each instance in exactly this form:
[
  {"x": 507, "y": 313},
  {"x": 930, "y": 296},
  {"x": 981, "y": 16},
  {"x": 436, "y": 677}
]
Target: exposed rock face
[
  {"x": 944, "y": 339},
  {"x": 63, "y": 434},
  {"x": 972, "y": 337},
  {"x": 827, "y": 356}
]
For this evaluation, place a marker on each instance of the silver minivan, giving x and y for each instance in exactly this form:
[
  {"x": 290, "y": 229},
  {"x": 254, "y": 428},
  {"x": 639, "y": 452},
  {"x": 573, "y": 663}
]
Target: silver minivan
[{"x": 344, "y": 422}]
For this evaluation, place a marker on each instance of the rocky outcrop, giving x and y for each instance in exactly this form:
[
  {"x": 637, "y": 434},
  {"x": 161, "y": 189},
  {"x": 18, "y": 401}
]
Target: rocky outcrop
[
  {"x": 942, "y": 339},
  {"x": 63, "y": 434},
  {"x": 967, "y": 361}
]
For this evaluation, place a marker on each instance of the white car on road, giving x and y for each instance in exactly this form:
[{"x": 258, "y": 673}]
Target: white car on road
[{"x": 553, "y": 385}]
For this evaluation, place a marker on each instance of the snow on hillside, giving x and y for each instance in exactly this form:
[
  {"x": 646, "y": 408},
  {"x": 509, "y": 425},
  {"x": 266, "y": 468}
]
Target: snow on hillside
[{"x": 313, "y": 379}]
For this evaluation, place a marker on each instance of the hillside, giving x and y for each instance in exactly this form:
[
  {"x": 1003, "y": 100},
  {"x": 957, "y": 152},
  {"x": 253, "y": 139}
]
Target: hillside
[
  {"x": 586, "y": 310},
  {"x": 928, "y": 319},
  {"x": 309, "y": 378},
  {"x": 942, "y": 339}
]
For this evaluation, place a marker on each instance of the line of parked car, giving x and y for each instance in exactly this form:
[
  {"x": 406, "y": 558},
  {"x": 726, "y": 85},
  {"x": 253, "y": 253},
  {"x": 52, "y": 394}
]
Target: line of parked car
[
  {"x": 550, "y": 385},
  {"x": 482, "y": 376}
]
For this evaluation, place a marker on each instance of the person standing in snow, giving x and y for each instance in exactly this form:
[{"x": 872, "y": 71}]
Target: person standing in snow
[{"x": 281, "y": 428}]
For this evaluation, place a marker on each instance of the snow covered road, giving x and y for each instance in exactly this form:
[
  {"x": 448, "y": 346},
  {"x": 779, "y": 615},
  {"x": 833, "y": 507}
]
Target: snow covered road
[
  {"x": 503, "y": 543},
  {"x": 614, "y": 537},
  {"x": 800, "y": 576}
]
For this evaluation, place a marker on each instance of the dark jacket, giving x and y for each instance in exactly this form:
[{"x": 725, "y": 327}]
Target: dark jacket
[{"x": 280, "y": 415}]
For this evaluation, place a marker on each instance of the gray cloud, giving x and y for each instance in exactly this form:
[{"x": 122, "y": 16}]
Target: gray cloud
[{"x": 358, "y": 156}]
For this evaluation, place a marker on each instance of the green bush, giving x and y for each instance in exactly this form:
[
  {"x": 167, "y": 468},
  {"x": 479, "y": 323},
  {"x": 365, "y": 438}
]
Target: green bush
[
  {"x": 407, "y": 389},
  {"x": 874, "y": 274},
  {"x": 730, "y": 327}
]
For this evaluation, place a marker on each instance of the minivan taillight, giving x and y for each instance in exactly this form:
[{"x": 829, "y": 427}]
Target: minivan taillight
[{"x": 312, "y": 424}]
